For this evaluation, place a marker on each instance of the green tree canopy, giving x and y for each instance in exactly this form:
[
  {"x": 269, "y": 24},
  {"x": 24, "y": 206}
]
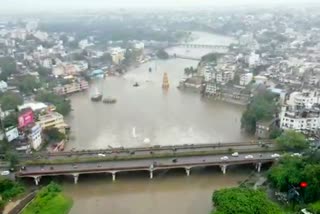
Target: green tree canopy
[
  {"x": 162, "y": 54},
  {"x": 8, "y": 67},
  {"x": 262, "y": 107},
  {"x": 10, "y": 100},
  {"x": 289, "y": 170},
  {"x": 63, "y": 105},
  {"x": 54, "y": 135},
  {"x": 292, "y": 141},
  {"x": 28, "y": 84},
  {"x": 10, "y": 120},
  {"x": 243, "y": 201},
  {"x": 49, "y": 200},
  {"x": 9, "y": 189}
]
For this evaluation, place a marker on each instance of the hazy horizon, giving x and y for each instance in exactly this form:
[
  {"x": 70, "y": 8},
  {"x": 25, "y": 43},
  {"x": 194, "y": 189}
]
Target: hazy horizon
[{"x": 54, "y": 5}]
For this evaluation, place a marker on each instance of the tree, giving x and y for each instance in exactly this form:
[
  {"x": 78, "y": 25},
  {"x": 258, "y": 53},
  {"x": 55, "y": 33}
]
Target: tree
[
  {"x": 289, "y": 170},
  {"x": 8, "y": 67},
  {"x": 162, "y": 54},
  {"x": 211, "y": 57},
  {"x": 28, "y": 84},
  {"x": 315, "y": 207},
  {"x": 10, "y": 100},
  {"x": 292, "y": 141},
  {"x": 275, "y": 133},
  {"x": 243, "y": 201},
  {"x": 262, "y": 107},
  {"x": 10, "y": 120},
  {"x": 54, "y": 134},
  {"x": 62, "y": 105}
]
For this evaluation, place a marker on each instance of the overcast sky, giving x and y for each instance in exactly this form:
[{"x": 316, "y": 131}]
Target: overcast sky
[{"x": 27, "y": 5}]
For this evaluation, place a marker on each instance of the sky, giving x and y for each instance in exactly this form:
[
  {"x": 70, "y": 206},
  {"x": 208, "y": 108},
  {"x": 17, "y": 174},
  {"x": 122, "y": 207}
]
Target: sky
[{"x": 35, "y": 5}]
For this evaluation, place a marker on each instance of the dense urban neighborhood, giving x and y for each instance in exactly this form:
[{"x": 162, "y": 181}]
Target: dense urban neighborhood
[{"x": 269, "y": 71}]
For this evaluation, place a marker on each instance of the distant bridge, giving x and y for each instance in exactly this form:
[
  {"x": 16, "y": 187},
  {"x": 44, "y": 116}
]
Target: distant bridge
[
  {"x": 179, "y": 56},
  {"x": 205, "y": 46}
]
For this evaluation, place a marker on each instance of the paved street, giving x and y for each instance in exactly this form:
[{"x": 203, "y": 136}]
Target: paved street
[{"x": 143, "y": 164}]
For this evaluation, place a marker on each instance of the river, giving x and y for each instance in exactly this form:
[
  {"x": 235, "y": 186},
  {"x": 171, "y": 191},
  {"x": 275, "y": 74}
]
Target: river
[
  {"x": 163, "y": 117},
  {"x": 169, "y": 192}
]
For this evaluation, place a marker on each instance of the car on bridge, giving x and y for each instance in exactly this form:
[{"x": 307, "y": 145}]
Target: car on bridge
[
  {"x": 235, "y": 154},
  {"x": 275, "y": 155},
  {"x": 224, "y": 158},
  {"x": 248, "y": 157}
]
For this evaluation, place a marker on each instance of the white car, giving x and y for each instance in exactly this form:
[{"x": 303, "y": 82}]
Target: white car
[
  {"x": 275, "y": 155},
  {"x": 248, "y": 157},
  {"x": 296, "y": 155},
  {"x": 224, "y": 158},
  {"x": 101, "y": 155},
  {"x": 4, "y": 173},
  {"x": 235, "y": 154}
]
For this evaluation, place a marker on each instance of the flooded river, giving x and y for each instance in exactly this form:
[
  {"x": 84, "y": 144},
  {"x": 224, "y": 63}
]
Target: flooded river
[
  {"x": 147, "y": 112},
  {"x": 169, "y": 192},
  {"x": 162, "y": 117}
]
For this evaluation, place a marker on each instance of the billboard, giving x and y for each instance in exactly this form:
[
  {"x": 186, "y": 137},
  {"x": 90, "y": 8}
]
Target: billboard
[
  {"x": 12, "y": 134},
  {"x": 25, "y": 118}
]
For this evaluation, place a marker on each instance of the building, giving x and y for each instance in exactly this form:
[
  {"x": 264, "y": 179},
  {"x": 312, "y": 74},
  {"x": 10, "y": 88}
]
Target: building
[
  {"x": 260, "y": 80},
  {"x": 224, "y": 77},
  {"x": 305, "y": 98},
  {"x": 211, "y": 88},
  {"x": 138, "y": 45},
  {"x": 263, "y": 129},
  {"x": 253, "y": 59},
  {"x": 246, "y": 78},
  {"x": 34, "y": 106},
  {"x": 52, "y": 120},
  {"x": 117, "y": 55},
  {"x": 209, "y": 73},
  {"x": 35, "y": 137},
  {"x": 3, "y": 86},
  {"x": 301, "y": 120},
  {"x": 72, "y": 87}
]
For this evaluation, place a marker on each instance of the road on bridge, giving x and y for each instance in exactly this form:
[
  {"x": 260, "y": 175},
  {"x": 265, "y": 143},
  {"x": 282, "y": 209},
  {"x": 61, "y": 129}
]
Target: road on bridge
[{"x": 144, "y": 164}]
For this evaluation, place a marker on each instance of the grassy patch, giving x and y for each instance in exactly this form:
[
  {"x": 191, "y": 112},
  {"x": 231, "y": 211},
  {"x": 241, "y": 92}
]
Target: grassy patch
[{"x": 49, "y": 200}]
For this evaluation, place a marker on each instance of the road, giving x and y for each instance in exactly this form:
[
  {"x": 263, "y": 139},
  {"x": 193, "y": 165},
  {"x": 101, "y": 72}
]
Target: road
[
  {"x": 122, "y": 152},
  {"x": 145, "y": 164}
]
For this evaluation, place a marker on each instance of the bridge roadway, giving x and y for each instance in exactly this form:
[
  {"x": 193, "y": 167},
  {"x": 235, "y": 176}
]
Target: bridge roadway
[
  {"x": 151, "y": 150},
  {"x": 150, "y": 165},
  {"x": 189, "y": 45}
]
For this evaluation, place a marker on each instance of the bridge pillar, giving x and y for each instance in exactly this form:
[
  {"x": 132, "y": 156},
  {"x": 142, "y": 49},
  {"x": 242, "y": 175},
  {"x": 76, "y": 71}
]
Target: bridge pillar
[
  {"x": 113, "y": 176},
  {"x": 37, "y": 180},
  {"x": 188, "y": 171},
  {"x": 75, "y": 178},
  {"x": 223, "y": 168},
  {"x": 151, "y": 174},
  {"x": 258, "y": 166}
]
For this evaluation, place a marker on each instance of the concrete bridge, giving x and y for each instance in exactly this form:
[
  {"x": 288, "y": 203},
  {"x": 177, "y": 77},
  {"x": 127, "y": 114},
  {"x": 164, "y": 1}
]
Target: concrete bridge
[
  {"x": 157, "y": 149},
  {"x": 186, "y": 57},
  {"x": 149, "y": 165},
  {"x": 203, "y": 46}
]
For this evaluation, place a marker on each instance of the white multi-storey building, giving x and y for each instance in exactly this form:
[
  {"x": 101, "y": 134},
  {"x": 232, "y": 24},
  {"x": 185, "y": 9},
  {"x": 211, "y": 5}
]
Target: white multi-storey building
[
  {"x": 304, "y": 99},
  {"x": 35, "y": 137},
  {"x": 305, "y": 120},
  {"x": 246, "y": 78}
]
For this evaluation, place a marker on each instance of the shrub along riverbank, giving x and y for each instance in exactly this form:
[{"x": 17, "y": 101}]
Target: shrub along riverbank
[{"x": 49, "y": 200}]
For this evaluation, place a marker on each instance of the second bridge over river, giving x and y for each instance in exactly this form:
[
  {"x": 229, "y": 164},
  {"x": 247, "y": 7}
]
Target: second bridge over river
[{"x": 150, "y": 165}]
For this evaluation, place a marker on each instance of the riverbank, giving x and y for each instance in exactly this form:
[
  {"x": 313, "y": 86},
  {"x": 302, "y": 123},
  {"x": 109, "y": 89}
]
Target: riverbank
[{"x": 49, "y": 200}]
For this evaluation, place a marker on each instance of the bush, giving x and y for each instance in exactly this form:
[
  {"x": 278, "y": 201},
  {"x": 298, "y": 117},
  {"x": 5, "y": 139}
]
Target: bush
[
  {"x": 243, "y": 201},
  {"x": 49, "y": 200},
  {"x": 9, "y": 189}
]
